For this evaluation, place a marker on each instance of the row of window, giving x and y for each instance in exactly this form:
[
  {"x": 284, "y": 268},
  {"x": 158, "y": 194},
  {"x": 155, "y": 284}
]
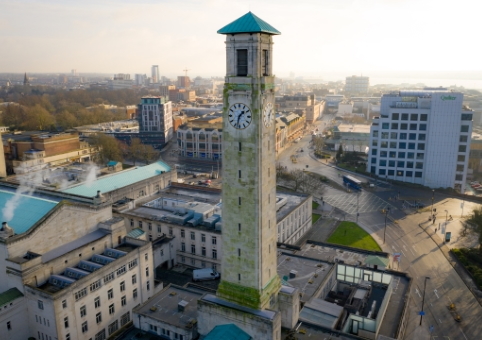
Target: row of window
[
  {"x": 203, "y": 250},
  {"x": 165, "y": 332},
  {"x": 194, "y": 263},
  {"x": 398, "y": 164},
  {"x": 203, "y": 236},
  {"x": 413, "y": 116},
  {"x": 112, "y": 328},
  {"x": 405, "y": 126},
  {"x": 399, "y": 154},
  {"x": 400, "y": 173}
]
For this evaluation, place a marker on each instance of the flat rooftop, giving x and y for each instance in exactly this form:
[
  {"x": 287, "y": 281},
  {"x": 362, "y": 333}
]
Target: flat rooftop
[
  {"x": 119, "y": 180},
  {"x": 302, "y": 273},
  {"x": 22, "y": 211},
  {"x": 355, "y": 128},
  {"x": 332, "y": 254},
  {"x": 164, "y": 306}
]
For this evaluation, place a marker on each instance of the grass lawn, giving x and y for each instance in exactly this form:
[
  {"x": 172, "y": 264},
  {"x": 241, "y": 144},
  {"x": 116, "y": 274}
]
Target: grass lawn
[
  {"x": 314, "y": 205},
  {"x": 314, "y": 218},
  {"x": 350, "y": 234}
]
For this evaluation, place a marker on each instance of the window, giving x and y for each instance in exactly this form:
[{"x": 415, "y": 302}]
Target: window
[
  {"x": 393, "y": 145},
  {"x": 239, "y": 200},
  {"x": 412, "y": 136},
  {"x": 400, "y": 164},
  {"x": 64, "y": 303},
  {"x": 462, "y": 148},
  {"x": 403, "y": 136},
  {"x": 100, "y": 335},
  {"x": 461, "y": 158},
  {"x": 110, "y": 293},
  {"x": 419, "y": 155},
  {"x": 409, "y": 173},
  {"x": 413, "y": 117},
  {"x": 203, "y": 237},
  {"x": 239, "y": 147},
  {"x": 391, "y": 164},
  {"x": 158, "y": 228},
  {"x": 9, "y": 325},
  {"x": 402, "y": 145},
  {"x": 183, "y": 233},
  {"x": 83, "y": 311},
  {"x": 385, "y": 126},
  {"x": 411, "y": 146},
  {"x": 148, "y": 286},
  {"x": 213, "y": 240},
  {"x": 162, "y": 252},
  {"x": 98, "y": 317},
  {"x": 384, "y": 144},
  {"x": 383, "y": 154},
  {"x": 410, "y": 155},
  {"x": 374, "y": 153},
  {"x": 420, "y": 146},
  {"x": 399, "y": 173},
  {"x": 111, "y": 309},
  {"x": 140, "y": 224},
  {"x": 383, "y": 162},
  {"x": 423, "y": 127},
  {"x": 215, "y": 254},
  {"x": 395, "y": 116},
  {"x": 122, "y": 286},
  {"x": 147, "y": 271},
  {"x": 134, "y": 294},
  {"x": 242, "y": 62},
  {"x": 125, "y": 318},
  {"x": 394, "y": 126},
  {"x": 66, "y": 322},
  {"x": 466, "y": 116},
  {"x": 193, "y": 235},
  {"x": 123, "y": 301},
  {"x": 403, "y": 126},
  {"x": 134, "y": 279},
  {"x": 463, "y": 139},
  {"x": 381, "y": 172},
  {"x": 460, "y": 167},
  {"x": 413, "y": 126},
  {"x": 183, "y": 259},
  {"x": 375, "y": 134},
  {"x": 421, "y": 136},
  {"x": 384, "y": 135},
  {"x": 418, "y": 165},
  {"x": 113, "y": 327},
  {"x": 97, "y": 302},
  {"x": 183, "y": 246},
  {"x": 67, "y": 336},
  {"x": 239, "y": 173},
  {"x": 391, "y": 172},
  {"x": 153, "y": 328},
  {"x": 84, "y": 327},
  {"x": 458, "y": 177},
  {"x": 203, "y": 251},
  {"x": 132, "y": 222},
  {"x": 149, "y": 226},
  {"x": 393, "y": 135},
  {"x": 40, "y": 304},
  {"x": 418, "y": 174},
  {"x": 265, "y": 63},
  {"x": 392, "y": 154},
  {"x": 239, "y": 252},
  {"x": 410, "y": 165},
  {"x": 121, "y": 270},
  {"x": 423, "y": 117},
  {"x": 404, "y": 116},
  {"x": 374, "y": 142}
]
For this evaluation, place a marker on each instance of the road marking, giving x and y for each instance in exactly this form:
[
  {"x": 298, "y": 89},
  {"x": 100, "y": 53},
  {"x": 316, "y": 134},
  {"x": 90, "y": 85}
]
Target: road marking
[{"x": 435, "y": 291}]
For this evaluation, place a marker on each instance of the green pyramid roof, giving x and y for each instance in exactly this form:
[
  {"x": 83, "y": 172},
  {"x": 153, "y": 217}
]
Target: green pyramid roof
[{"x": 248, "y": 23}]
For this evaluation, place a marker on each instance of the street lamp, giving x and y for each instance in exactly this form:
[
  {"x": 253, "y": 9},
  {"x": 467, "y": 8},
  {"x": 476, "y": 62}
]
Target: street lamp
[
  {"x": 357, "y": 196},
  {"x": 446, "y": 213},
  {"x": 423, "y": 299},
  {"x": 433, "y": 192},
  {"x": 387, "y": 210}
]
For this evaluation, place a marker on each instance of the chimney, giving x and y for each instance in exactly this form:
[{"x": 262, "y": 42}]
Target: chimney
[
  {"x": 7, "y": 230},
  {"x": 181, "y": 305}
]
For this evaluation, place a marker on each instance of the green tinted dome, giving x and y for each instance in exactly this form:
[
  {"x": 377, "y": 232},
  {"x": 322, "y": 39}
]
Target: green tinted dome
[{"x": 249, "y": 23}]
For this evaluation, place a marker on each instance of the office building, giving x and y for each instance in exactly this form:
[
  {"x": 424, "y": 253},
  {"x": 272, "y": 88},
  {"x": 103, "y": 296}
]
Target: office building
[
  {"x": 423, "y": 137},
  {"x": 356, "y": 85},
  {"x": 155, "y": 74},
  {"x": 155, "y": 120}
]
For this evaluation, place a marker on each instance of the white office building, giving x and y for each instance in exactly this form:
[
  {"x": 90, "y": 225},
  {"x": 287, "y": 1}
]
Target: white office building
[
  {"x": 423, "y": 137},
  {"x": 356, "y": 85}
]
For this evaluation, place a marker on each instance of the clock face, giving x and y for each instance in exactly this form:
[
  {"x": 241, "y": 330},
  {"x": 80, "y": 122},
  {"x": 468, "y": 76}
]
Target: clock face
[
  {"x": 268, "y": 114},
  {"x": 239, "y": 116}
]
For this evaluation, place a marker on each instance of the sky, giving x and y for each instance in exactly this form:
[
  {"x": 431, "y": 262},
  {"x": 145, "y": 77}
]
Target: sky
[{"x": 318, "y": 38}]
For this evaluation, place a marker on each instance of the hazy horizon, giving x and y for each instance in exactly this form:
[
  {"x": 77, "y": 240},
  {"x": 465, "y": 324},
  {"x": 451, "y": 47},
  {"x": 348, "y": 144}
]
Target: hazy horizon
[{"x": 349, "y": 36}]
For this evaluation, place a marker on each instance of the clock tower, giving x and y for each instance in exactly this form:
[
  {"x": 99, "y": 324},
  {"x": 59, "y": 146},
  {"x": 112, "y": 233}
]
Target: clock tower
[{"x": 249, "y": 264}]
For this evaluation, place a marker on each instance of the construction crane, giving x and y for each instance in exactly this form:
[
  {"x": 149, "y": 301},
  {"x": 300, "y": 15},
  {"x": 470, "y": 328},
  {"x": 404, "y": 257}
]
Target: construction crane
[{"x": 185, "y": 72}]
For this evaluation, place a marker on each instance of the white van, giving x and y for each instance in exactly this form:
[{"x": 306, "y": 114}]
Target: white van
[{"x": 204, "y": 274}]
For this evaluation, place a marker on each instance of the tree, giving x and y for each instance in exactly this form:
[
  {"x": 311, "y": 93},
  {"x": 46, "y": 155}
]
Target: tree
[
  {"x": 109, "y": 148},
  {"x": 475, "y": 220},
  {"x": 65, "y": 120},
  {"x": 318, "y": 143},
  {"x": 38, "y": 118},
  {"x": 135, "y": 150}
]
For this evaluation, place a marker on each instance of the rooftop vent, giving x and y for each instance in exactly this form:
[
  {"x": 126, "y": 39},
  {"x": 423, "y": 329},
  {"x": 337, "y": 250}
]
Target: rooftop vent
[
  {"x": 182, "y": 305},
  {"x": 7, "y": 229}
]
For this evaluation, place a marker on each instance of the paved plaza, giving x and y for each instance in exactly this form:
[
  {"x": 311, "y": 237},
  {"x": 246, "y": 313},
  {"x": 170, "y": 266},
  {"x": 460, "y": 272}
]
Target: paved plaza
[{"x": 347, "y": 201}]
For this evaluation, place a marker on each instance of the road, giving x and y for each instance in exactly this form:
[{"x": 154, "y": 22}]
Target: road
[{"x": 421, "y": 257}]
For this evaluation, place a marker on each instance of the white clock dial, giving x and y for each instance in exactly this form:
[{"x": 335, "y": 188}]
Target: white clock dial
[
  {"x": 240, "y": 116},
  {"x": 268, "y": 114}
]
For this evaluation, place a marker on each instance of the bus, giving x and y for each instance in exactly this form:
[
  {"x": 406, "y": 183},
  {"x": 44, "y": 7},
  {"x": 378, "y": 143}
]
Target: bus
[{"x": 352, "y": 182}]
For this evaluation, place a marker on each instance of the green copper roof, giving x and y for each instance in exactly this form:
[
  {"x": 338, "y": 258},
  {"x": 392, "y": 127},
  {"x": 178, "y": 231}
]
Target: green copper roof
[
  {"x": 248, "y": 23},
  {"x": 9, "y": 296},
  {"x": 227, "y": 332}
]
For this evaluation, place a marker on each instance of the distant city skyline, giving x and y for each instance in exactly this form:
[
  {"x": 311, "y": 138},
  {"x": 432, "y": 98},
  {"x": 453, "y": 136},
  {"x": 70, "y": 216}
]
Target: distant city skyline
[{"x": 318, "y": 37}]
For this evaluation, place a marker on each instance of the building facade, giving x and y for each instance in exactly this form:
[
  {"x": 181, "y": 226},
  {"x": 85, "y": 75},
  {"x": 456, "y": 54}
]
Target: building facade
[
  {"x": 356, "y": 85},
  {"x": 155, "y": 121},
  {"x": 155, "y": 74},
  {"x": 422, "y": 137}
]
